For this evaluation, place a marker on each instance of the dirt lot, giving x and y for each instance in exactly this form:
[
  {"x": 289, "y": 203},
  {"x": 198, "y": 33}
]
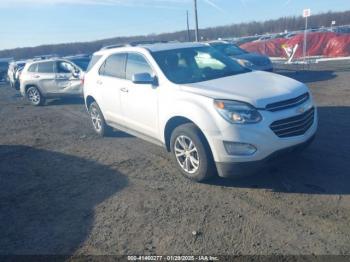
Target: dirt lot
[{"x": 66, "y": 191}]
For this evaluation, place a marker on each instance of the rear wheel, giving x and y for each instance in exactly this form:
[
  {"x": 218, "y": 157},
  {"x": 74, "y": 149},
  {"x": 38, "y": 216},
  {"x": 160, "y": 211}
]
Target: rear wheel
[
  {"x": 98, "y": 121},
  {"x": 16, "y": 85},
  {"x": 192, "y": 153},
  {"x": 34, "y": 96}
]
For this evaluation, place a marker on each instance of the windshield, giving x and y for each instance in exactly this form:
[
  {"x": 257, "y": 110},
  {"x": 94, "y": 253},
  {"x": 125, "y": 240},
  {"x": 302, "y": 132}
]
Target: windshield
[
  {"x": 198, "y": 64},
  {"x": 83, "y": 63},
  {"x": 229, "y": 49}
]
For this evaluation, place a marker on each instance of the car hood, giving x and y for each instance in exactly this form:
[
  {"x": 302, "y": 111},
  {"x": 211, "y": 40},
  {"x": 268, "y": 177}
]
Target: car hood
[{"x": 257, "y": 88}]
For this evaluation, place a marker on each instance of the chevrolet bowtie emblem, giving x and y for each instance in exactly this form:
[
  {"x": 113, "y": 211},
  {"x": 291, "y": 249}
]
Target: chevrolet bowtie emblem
[{"x": 301, "y": 110}]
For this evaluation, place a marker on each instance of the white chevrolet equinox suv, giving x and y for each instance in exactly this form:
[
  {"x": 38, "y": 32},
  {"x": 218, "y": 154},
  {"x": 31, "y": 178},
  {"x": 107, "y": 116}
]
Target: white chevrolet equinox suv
[{"x": 211, "y": 113}]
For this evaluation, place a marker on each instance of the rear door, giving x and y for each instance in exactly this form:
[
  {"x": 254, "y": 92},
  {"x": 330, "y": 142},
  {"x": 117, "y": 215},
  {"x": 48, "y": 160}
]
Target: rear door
[
  {"x": 46, "y": 77},
  {"x": 110, "y": 82}
]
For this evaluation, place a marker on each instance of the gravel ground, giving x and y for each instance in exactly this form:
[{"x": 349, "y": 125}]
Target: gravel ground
[{"x": 66, "y": 191}]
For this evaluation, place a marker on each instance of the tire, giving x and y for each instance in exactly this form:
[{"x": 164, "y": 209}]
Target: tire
[
  {"x": 34, "y": 96},
  {"x": 16, "y": 85},
  {"x": 98, "y": 120},
  {"x": 191, "y": 153}
]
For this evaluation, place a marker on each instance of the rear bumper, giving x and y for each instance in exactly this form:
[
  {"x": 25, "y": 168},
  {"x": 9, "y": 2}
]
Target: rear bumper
[{"x": 241, "y": 169}]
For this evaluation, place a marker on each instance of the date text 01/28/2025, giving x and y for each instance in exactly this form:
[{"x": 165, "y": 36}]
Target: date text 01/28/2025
[{"x": 172, "y": 258}]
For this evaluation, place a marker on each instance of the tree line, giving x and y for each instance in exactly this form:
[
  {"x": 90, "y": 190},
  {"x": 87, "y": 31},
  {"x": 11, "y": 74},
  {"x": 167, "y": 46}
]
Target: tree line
[{"x": 234, "y": 30}]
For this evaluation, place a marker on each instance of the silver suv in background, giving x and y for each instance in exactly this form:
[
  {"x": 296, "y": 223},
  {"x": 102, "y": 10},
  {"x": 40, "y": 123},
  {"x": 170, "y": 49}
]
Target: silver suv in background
[{"x": 53, "y": 78}]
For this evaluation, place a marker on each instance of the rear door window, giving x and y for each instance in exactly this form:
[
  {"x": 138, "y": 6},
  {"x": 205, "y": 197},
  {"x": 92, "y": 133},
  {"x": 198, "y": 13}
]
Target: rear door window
[
  {"x": 46, "y": 67},
  {"x": 114, "y": 66}
]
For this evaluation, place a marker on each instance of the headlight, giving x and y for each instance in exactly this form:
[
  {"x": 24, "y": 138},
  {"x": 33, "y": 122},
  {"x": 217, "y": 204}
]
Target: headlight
[
  {"x": 245, "y": 63},
  {"x": 237, "y": 112}
]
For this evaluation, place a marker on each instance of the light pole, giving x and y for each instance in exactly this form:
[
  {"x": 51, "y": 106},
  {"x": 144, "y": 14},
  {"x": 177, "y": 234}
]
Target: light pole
[
  {"x": 306, "y": 14},
  {"x": 196, "y": 20},
  {"x": 305, "y": 40},
  {"x": 188, "y": 28}
]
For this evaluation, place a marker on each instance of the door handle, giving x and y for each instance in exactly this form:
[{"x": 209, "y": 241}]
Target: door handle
[
  {"x": 62, "y": 77},
  {"x": 124, "y": 89},
  {"x": 99, "y": 82},
  {"x": 36, "y": 76}
]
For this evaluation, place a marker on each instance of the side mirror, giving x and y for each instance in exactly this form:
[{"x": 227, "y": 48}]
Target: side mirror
[
  {"x": 143, "y": 78},
  {"x": 76, "y": 73}
]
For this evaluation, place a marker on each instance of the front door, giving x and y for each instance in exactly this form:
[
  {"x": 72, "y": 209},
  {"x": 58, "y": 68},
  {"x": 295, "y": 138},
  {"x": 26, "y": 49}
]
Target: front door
[
  {"x": 140, "y": 101},
  {"x": 67, "y": 79}
]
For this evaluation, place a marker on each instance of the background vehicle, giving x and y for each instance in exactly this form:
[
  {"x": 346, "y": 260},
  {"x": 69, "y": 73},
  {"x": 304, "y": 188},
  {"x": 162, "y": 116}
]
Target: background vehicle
[
  {"x": 203, "y": 106},
  {"x": 50, "y": 79},
  {"x": 250, "y": 60},
  {"x": 14, "y": 72},
  {"x": 4, "y": 64},
  {"x": 82, "y": 61}
]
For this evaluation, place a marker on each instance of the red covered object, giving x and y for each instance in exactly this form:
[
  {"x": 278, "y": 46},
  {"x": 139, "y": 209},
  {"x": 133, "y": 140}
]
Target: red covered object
[
  {"x": 318, "y": 44},
  {"x": 338, "y": 46},
  {"x": 271, "y": 47}
]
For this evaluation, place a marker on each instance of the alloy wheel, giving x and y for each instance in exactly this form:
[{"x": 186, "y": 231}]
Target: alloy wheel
[
  {"x": 96, "y": 118},
  {"x": 186, "y": 154},
  {"x": 34, "y": 96}
]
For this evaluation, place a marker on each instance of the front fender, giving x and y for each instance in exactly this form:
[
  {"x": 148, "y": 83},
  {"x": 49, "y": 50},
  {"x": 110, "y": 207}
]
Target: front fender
[{"x": 200, "y": 111}]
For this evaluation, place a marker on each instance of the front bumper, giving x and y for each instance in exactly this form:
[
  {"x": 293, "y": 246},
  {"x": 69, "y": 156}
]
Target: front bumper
[
  {"x": 242, "y": 169},
  {"x": 260, "y": 135}
]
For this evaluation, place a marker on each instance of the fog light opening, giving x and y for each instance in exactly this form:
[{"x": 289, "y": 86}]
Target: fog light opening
[{"x": 239, "y": 149}]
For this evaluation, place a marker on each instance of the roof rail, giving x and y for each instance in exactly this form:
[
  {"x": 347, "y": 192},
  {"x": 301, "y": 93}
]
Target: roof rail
[
  {"x": 113, "y": 46},
  {"x": 45, "y": 57},
  {"x": 148, "y": 42},
  {"x": 135, "y": 43},
  {"x": 76, "y": 55}
]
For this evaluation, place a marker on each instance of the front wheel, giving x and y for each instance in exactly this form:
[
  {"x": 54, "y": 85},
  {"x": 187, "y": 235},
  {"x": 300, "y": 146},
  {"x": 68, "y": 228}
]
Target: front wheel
[
  {"x": 192, "y": 153},
  {"x": 34, "y": 96},
  {"x": 98, "y": 121}
]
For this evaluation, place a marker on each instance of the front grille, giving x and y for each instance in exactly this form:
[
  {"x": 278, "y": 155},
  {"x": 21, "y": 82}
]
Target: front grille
[
  {"x": 287, "y": 103},
  {"x": 294, "y": 126}
]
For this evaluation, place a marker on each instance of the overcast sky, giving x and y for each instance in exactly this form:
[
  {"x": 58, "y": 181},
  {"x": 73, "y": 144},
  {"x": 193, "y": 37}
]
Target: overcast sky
[{"x": 35, "y": 22}]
